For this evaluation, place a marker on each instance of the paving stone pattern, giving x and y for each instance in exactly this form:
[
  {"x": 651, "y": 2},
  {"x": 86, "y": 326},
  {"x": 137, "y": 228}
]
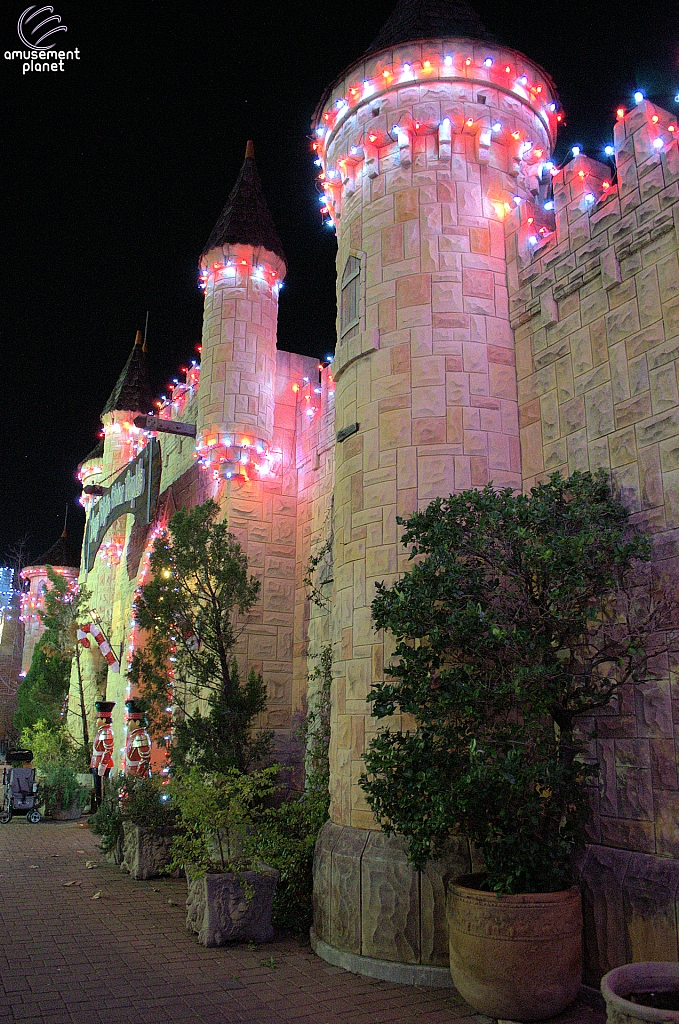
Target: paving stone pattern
[{"x": 126, "y": 958}]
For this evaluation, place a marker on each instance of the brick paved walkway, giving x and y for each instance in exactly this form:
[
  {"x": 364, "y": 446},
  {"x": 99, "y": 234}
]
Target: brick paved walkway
[{"x": 125, "y": 958}]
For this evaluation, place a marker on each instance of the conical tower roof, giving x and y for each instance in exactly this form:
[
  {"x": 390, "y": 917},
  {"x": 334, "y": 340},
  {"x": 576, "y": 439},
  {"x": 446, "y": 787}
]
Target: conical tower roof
[
  {"x": 61, "y": 554},
  {"x": 429, "y": 19},
  {"x": 246, "y": 220},
  {"x": 132, "y": 392}
]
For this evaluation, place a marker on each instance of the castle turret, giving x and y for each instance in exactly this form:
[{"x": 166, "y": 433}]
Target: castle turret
[
  {"x": 130, "y": 397},
  {"x": 65, "y": 560},
  {"x": 242, "y": 268},
  {"x": 427, "y": 143}
]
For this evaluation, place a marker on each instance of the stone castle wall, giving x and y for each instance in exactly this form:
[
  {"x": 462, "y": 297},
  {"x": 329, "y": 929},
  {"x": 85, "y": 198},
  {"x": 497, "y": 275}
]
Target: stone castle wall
[
  {"x": 491, "y": 341},
  {"x": 590, "y": 343},
  {"x": 595, "y": 313}
]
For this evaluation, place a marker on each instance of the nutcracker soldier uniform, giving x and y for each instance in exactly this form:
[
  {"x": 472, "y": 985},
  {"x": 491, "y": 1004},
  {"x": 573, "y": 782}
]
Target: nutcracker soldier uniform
[
  {"x": 138, "y": 743},
  {"x": 102, "y": 748}
]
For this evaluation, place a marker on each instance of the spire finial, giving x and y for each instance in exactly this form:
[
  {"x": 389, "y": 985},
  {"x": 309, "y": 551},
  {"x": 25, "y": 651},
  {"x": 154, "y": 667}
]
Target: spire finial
[
  {"x": 138, "y": 340},
  {"x": 250, "y": 150}
]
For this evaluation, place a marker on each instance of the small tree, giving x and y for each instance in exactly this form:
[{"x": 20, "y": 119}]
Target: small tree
[
  {"x": 521, "y": 614},
  {"x": 192, "y": 609},
  {"x": 43, "y": 690},
  {"x": 42, "y": 694}
]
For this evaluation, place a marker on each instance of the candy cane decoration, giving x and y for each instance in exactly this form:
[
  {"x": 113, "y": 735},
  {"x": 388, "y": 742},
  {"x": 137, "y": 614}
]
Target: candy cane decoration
[{"x": 97, "y": 634}]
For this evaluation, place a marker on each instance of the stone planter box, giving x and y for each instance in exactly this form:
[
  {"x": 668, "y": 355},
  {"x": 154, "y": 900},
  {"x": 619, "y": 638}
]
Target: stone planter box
[
  {"x": 633, "y": 979},
  {"x": 145, "y": 852},
  {"x": 115, "y": 855},
  {"x": 232, "y": 908},
  {"x": 71, "y": 813}
]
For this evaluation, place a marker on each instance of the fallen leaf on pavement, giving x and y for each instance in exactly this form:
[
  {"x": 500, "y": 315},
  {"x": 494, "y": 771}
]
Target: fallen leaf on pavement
[
  {"x": 90, "y": 864},
  {"x": 173, "y": 903},
  {"x": 66, "y": 884},
  {"x": 97, "y": 896},
  {"x": 78, "y": 851},
  {"x": 32, "y": 865}
]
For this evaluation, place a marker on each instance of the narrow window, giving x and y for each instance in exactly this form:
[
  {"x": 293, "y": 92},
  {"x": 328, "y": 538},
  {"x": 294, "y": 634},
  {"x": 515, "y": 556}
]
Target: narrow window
[{"x": 349, "y": 296}]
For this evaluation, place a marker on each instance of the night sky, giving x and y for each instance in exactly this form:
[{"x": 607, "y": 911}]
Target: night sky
[{"x": 118, "y": 167}]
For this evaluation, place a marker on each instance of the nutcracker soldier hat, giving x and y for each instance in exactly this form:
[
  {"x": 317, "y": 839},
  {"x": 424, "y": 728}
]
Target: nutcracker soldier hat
[
  {"x": 104, "y": 708},
  {"x": 134, "y": 712}
]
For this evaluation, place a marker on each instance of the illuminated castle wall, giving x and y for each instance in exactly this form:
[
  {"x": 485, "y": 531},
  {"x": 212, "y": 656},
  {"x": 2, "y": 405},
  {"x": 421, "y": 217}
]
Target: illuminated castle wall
[{"x": 498, "y": 319}]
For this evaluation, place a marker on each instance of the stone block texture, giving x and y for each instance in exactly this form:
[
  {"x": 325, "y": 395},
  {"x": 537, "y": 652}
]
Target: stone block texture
[{"x": 480, "y": 338}]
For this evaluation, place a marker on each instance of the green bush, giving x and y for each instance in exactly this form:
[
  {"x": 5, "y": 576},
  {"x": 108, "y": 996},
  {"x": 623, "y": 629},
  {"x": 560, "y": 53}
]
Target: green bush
[
  {"x": 147, "y": 803},
  {"x": 61, "y": 789},
  {"x": 217, "y": 818},
  {"x": 51, "y": 744},
  {"x": 286, "y": 835},
  {"x": 521, "y": 614},
  {"x": 143, "y": 802},
  {"x": 284, "y": 838},
  {"x": 43, "y": 690},
  {"x": 107, "y": 820}
]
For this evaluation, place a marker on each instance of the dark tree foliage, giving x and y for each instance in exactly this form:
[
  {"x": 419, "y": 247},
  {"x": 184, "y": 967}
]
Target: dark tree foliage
[
  {"x": 192, "y": 610},
  {"x": 521, "y": 613},
  {"x": 41, "y": 694}
]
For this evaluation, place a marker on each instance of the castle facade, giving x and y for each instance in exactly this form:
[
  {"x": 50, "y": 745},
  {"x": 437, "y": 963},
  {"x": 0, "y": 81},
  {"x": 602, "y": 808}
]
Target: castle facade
[{"x": 499, "y": 319}]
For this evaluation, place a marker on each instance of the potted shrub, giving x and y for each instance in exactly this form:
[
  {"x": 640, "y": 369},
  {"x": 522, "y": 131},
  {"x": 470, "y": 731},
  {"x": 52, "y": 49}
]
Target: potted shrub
[
  {"x": 148, "y": 818},
  {"x": 64, "y": 796},
  {"x": 60, "y": 764},
  {"x": 107, "y": 821},
  {"x": 230, "y": 891},
  {"x": 516, "y": 619}
]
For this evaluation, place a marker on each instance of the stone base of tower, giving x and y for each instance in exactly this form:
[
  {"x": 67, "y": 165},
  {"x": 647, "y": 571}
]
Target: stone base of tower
[{"x": 375, "y": 915}]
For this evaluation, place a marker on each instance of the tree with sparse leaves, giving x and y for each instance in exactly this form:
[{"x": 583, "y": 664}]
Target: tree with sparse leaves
[
  {"x": 192, "y": 610},
  {"x": 521, "y": 614},
  {"x": 42, "y": 694}
]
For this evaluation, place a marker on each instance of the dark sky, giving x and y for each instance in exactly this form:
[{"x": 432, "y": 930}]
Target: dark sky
[{"x": 117, "y": 168}]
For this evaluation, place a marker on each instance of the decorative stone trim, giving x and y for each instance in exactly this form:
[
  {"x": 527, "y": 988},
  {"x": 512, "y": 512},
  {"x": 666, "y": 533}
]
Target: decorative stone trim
[{"x": 386, "y": 970}]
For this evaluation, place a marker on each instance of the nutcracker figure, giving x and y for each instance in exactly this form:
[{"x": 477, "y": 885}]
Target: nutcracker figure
[
  {"x": 138, "y": 743},
  {"x": 102, "y": 748}
]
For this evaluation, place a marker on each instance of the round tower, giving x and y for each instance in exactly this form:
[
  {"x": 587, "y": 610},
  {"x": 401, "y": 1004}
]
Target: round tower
[
  {"x": 426, "y": 145},
  {"x": 241, "y": 268},
  {"x": 65, "y": 560}
]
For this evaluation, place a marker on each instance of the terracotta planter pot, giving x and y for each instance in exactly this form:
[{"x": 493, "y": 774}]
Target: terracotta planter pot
[
  {"x": 515, "y": 957},
  {"x": 619, "y": 984},
  {"x": 232, "y": 908}
]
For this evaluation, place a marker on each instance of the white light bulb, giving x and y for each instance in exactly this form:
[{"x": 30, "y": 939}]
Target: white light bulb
[
  {"x": 658, "y": 143},
  {"x": 523, "y": 80},
  {"x": 497, "y": 127},
  {"x": 575, "y": 151},
  {"x": 533, "y": 239},
  {"x": 549, "y": 205},
  {"x": 488, "y": 62},
  {"x": 552, "y": 107},
  {"x": 638, "y": 96},
  {"x": 448, "y": 60},
  {"x": 609, "y": 151},
  {"x": 590, "y": 197}
]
